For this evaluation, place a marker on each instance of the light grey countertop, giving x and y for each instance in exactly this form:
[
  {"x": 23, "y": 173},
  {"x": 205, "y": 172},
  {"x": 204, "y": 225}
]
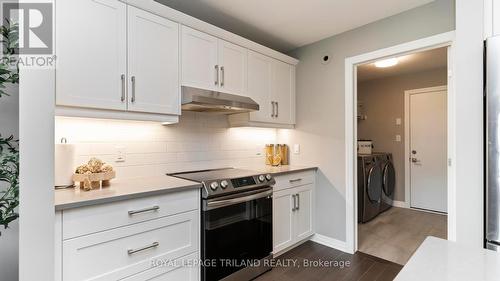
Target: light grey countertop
[
  {"x": 123, "y": 189},
  {"x": 439, "y": 260},
  {"x": 120, "y": 189}
]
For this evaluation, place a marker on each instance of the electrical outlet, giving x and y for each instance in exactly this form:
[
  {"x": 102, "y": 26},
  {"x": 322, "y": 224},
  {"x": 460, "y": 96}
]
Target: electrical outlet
[
  {"x": 296, "y": 148},
  {"x": 398, "y": 138},
  {"x": 398, "y": 121},
  {"x": 120, "y": 151}
]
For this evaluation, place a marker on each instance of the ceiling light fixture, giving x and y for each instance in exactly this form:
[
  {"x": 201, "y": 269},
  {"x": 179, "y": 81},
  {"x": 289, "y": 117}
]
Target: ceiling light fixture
[{"x": 386, "y": 63}]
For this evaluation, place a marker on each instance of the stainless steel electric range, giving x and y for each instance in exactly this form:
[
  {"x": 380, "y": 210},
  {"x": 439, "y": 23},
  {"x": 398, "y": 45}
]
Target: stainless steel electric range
[{"x": 236, "y": 223}]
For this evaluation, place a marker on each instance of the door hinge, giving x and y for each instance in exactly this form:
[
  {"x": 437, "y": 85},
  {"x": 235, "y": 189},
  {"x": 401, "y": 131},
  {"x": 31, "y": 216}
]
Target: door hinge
[{"x": 449, "y": 162}]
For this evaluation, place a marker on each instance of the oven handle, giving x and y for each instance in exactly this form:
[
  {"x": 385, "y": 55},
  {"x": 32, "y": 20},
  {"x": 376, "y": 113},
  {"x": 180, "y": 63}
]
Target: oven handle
[{"x": 228, "y": 202}]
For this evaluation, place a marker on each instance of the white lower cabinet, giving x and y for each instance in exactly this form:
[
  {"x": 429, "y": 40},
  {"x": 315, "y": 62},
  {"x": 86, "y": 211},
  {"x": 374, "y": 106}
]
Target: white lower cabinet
[
  {"x": 181, "y": 269},
  {"x": 161, "y": 248},
  {"x": 282, "y": 219},
  {"x": 293, "y": 210},
  {"x": 303, "y": 215}
]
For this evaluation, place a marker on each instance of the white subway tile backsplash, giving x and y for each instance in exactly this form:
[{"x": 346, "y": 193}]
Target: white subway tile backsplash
[{"x": 199, "y": 141}]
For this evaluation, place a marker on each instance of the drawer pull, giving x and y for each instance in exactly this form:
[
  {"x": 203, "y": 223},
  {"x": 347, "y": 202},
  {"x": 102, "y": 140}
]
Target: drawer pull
[
  {"x": 135, "y": 212},
  {"x": 295, "y": 180},
  {"x": 133, "y": 251}
]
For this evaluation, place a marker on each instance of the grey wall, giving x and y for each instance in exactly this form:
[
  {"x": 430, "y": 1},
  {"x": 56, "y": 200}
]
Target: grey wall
[
  {"x": 383, "y": 102},
  {"x": 320, "y": 100}
]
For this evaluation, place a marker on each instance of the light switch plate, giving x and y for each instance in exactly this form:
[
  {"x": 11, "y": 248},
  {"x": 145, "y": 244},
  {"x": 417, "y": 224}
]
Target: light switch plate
[
  {"x": 398, "y": 138},
  {"x": 296, "y": 148},
  {"x": 398, "y": 121},
  {"x": 120, "y": 151}
]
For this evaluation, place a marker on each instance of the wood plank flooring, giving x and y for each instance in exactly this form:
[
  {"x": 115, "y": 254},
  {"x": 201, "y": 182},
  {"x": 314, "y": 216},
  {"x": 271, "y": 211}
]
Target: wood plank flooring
[
  {"x": 337, "y": 266},
  {"x": 397, "y": 233}
]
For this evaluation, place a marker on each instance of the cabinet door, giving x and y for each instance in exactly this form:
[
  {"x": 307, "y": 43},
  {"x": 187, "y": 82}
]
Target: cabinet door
[
  {"x": 233, "y": 68},
  {"x": 179, "y": 270},
  {"x": 199, "y": 59},
  {"x": 282, "y": 220},
  {"x": 259, "y": 86},
  {"x": 153, "y": 63},
  {"x": 91, "y": 54},
  {"x": 303, "y": 216},
  {"x": 283, "y": 88},
  {"x": 121, "y": 252}
]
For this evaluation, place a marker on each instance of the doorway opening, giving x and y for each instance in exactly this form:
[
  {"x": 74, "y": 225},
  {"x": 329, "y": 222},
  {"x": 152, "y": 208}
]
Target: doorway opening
[{"x": 402, "y": 152}]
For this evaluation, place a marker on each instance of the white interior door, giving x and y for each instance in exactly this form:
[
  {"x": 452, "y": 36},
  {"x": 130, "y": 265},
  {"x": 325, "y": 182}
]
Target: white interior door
[
  {"x": 153, "y": 52},
  {"x": 428, "y": 150}
]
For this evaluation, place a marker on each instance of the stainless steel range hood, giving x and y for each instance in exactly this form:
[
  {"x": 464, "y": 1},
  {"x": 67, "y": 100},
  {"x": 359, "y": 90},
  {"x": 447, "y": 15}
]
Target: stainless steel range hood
[{"x": 194, "y": 99}]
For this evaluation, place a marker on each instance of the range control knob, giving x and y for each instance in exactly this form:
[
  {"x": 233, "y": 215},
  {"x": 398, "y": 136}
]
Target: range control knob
[
  {"x": 214, "y": 185},
  {"x": 261, "y": 178},
  {"x": 224, "y": 184},
  {"x": 268, "y": 177}
]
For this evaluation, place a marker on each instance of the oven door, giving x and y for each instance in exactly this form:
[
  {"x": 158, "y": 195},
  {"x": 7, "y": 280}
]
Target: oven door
[{"x": 236, "y": 229}]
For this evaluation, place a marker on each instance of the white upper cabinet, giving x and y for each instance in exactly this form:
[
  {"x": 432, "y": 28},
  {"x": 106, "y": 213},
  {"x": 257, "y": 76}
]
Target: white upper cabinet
[
  {"x": 153, "y": 57},
  {"x": 259, "y": 85},
  {"x": 233, "y": 68},
  {"x": 271, "y": 83},
  {"x": 114, "y": 56},
  {"x": 283, "y": 88},
  {"x": 200, "y": 68},
  {"x": 91, "y": 53},
  {"x": 128, "y": 60},
  {"x": 213, "y": 64}
]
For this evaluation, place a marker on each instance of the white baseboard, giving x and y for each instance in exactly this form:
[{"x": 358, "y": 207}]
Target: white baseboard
[
  {"x": 400, "y": 204},
  {"x": 331, "y": 242}
]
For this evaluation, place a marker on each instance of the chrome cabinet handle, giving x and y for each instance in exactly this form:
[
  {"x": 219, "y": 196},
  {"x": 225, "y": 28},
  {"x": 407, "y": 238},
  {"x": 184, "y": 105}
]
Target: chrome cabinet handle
[
  {"x": 277, "y": 109},
  {"x": 123, "y": 87},
  {"x": 298, "y": 201},
  {"x": 295, "y": 180},
  {"x": 133, "y": 89},
  {"x": 272, "y": 114},
  {"x": 222, "y": 76},
  {"x": 294, "y": 197},
  {"x": 151, "y": 209},
  {"x": 216, "y": 74},
  {"x": 133, "y": 251}
]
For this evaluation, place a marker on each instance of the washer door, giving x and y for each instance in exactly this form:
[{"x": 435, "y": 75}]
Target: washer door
[
  {"x": 389, "y": 182},
  {"x": 374, "y": 184}
]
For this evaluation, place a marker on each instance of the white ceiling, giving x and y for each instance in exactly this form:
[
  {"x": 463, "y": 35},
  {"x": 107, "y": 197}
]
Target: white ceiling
[
  {"x": 287, "y": 24},
  {"x": 412, "y": 63}
]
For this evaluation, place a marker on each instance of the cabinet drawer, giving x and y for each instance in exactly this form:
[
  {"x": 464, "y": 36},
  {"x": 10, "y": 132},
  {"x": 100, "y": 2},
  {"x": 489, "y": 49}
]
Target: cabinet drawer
[
  {"x": 294, "y": 179},
  {"x": 125, "y": 251},
  {"x": 181, "y": 269},
  {"x": 92, "y": 219}
]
